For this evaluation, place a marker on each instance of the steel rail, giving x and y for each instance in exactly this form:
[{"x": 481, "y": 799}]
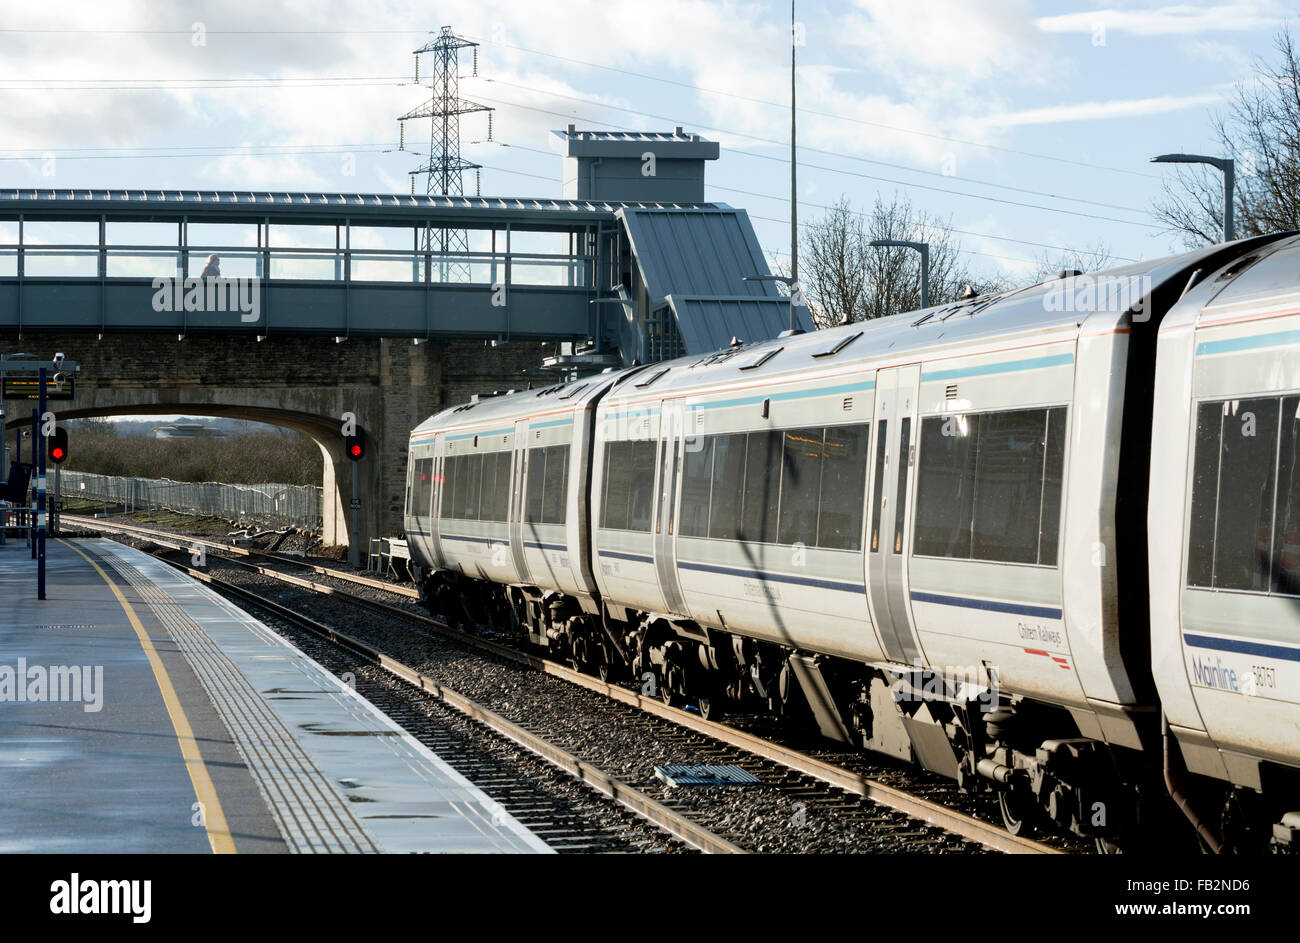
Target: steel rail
[
  {"x": 631, "y": 798},
  {"x": 958, "y": 823}
]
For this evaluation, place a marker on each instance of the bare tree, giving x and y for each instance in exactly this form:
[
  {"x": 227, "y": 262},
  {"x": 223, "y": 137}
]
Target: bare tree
[
  {"x": 1261, "y": 130},
  {"x": 834, "y": 275},
  {"x": 1094, "y": 258},
  {"x": 845, "y": 279}
]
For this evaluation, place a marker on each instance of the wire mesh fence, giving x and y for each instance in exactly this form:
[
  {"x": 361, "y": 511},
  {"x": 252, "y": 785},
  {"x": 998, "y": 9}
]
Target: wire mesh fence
[{"x": 299, "y": 505}]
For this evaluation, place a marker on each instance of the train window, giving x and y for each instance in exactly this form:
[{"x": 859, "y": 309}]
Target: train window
[
  {"x": 556, "y": 483},
  {"x": 472, "y": 470},
  {"x": 1008, "y": 486},
  {"x": 1243, "y": 533},
  {"x": 448, "y": 508},
  {"x": 844, "y": 477},
  {"x": 728, "y": 473},
  {"x": 945, "y": 487},
  {"x": 536, "y": 484},
  {"x": 900, "y": 493},
  {"x": 1286, "y": 521},
  {"x": 487, "y": 485},
  {"x": 421, "y": 487},
  {"x": 642, "y": 473},
  {"x": 801, "y": 484},
  {"x": 763, "y": 466},
  {"x": 1053, "y": 481},
  {"x": 989, "y": 486},
  {"x": 618, "y": 485},
  {"x": 697, "y": 481},
  {"x": 496, "y": 486},
  {"x": 878, "y": 492},
  {"x": 629, "y": 485},
  {"x": 1205, "y": 494}
]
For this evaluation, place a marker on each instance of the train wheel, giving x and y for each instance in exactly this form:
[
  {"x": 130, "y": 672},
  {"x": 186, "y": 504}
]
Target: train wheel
[
  {"x": 710, "y": 707},
  {"x": 1017, "y": 812},
  {"x": 670, "y": 688}
]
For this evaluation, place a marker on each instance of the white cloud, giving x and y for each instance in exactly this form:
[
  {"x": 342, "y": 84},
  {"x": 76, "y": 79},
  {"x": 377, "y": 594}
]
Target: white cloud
[
  {"x": 952, "y": 38},
  {"x": 1097, "y": 111},
  {"x": 1169, "y": 21}
]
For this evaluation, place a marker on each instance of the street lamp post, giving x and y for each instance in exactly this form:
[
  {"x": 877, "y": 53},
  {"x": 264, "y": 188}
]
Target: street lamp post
[
  {"x": 788, "y": 282},
  {"x": 1227, "y": 165},
  {"x": 921, "y": 247}
]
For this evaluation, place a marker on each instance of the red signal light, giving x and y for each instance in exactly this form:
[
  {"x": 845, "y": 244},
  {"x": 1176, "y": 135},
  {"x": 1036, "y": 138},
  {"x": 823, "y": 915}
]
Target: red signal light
[
  {"x": 59, "y": 446},
  {"x": 356, "y": 451}
]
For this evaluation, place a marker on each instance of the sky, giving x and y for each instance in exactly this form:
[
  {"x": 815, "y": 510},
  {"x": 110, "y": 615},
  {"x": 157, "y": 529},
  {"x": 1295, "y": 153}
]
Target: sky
[{"x": 1027, "y": 126}]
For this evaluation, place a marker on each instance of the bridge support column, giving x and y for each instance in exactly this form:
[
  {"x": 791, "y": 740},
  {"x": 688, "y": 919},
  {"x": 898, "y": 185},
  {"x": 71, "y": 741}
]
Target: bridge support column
[{"x": 336, "y": 498}]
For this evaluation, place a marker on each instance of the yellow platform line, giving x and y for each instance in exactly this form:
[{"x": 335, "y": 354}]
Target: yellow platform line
[{"x": 214, "y": 819}]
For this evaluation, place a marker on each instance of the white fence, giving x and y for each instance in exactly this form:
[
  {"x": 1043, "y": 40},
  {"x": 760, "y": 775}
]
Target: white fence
[{"x": 299, "y": 505}]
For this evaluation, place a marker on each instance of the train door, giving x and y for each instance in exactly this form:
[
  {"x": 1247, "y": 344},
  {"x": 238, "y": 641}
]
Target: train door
[
  {"x": 893, "y": 460},
  {"x": 518, "y": 498},
  {"x": 670, "y": 470}
]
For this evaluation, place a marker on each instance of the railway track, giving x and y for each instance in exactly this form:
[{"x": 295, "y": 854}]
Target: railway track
[{"x": 806, "y": 781}]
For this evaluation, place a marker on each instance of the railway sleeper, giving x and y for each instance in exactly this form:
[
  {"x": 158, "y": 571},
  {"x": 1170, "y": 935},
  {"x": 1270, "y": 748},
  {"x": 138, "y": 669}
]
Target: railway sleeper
[{"x": 1029, "y": 754}]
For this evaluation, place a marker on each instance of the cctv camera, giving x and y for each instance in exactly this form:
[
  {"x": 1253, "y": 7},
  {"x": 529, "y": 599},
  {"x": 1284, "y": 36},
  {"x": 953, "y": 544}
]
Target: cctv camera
[{"x": 58, "y": 359}]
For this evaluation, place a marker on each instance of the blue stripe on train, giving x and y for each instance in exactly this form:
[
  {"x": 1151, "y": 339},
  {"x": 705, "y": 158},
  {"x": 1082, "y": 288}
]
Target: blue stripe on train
[
  {"x": 635, "y": 557},
  {"x": 789, "y": 394},
  {"x": 1242, "y": 647},
  {"x": 1007, "y": 366},
  {"x": 1276, "y": 339},
  {"x": 775, "y": 577},
  {"x": 988, "y": 605},
  {"x": 541, "y": 546}
]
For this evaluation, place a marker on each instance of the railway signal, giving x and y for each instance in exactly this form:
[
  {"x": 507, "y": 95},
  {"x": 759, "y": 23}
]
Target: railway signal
[
  {"x": 354, "y": 446},
  {"x": 59, "y": 446}
]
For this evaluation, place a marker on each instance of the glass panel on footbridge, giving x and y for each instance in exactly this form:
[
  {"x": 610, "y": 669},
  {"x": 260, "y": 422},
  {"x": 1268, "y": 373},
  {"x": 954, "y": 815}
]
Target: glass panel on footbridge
[
  {"x": 8, "y": 248},
  {"x": 306, "y": 252},
  {"x": 61, "y": 249},
  {"x": 234, "y": 244},
  {"x": 142, "y": 250}
]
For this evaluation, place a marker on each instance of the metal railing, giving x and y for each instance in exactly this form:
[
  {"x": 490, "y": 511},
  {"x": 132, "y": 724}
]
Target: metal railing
[
  {"x": 559, "y": 270},
  {"x": 299, "y": 505}
]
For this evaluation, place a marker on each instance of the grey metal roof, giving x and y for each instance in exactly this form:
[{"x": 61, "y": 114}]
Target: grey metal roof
[
  {"x": 699, "y": 251},
  {"x": 698, "y": 260},
  {"x": 1015, "y": 315},
  {"x": 709, "y": 323},
  {"x": 671, "y": 145},
  {"x": 14, "y": 200},
  {"x": 644, "y": 136}
]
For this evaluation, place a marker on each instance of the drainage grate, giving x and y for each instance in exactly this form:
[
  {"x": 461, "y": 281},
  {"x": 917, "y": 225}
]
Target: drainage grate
[{"x": 705, "y": 776}]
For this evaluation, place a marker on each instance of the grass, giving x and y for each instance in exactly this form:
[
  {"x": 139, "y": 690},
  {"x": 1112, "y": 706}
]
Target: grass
[{"x": 255, "y": 458}]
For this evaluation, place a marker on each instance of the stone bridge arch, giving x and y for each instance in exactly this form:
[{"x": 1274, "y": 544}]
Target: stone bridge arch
[{"x": 300, "y": 383}]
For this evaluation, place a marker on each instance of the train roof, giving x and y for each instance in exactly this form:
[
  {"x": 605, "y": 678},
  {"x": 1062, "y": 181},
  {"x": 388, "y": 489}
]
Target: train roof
[{"x": 1059, "y": 306}]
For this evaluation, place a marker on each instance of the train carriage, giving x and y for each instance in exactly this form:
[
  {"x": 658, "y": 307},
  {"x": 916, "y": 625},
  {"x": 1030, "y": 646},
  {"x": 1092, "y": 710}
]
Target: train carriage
[
  {"x": 927, "y": 533},
  {"x": 1225, "y": 550},
  {"x": 496, "y": 496}
]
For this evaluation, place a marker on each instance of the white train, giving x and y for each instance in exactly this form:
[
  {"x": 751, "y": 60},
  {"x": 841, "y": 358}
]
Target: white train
[{"x": 1045, "y": 542}]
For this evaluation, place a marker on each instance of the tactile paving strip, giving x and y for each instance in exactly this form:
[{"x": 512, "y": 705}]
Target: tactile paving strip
[{"x": 311, "y": 815}]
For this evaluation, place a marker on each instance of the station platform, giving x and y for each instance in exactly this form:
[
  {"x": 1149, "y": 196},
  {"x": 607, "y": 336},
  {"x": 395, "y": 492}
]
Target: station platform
[{"x": 140, "y": 712}]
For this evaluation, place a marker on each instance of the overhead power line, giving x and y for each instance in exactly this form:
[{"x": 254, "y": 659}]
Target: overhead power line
[
  {"x": 822, "y": 206},
  {"x": 901, "y": 183},
  {"x": 826, "y": 114},
  {"x": 588, "y": 64}
]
